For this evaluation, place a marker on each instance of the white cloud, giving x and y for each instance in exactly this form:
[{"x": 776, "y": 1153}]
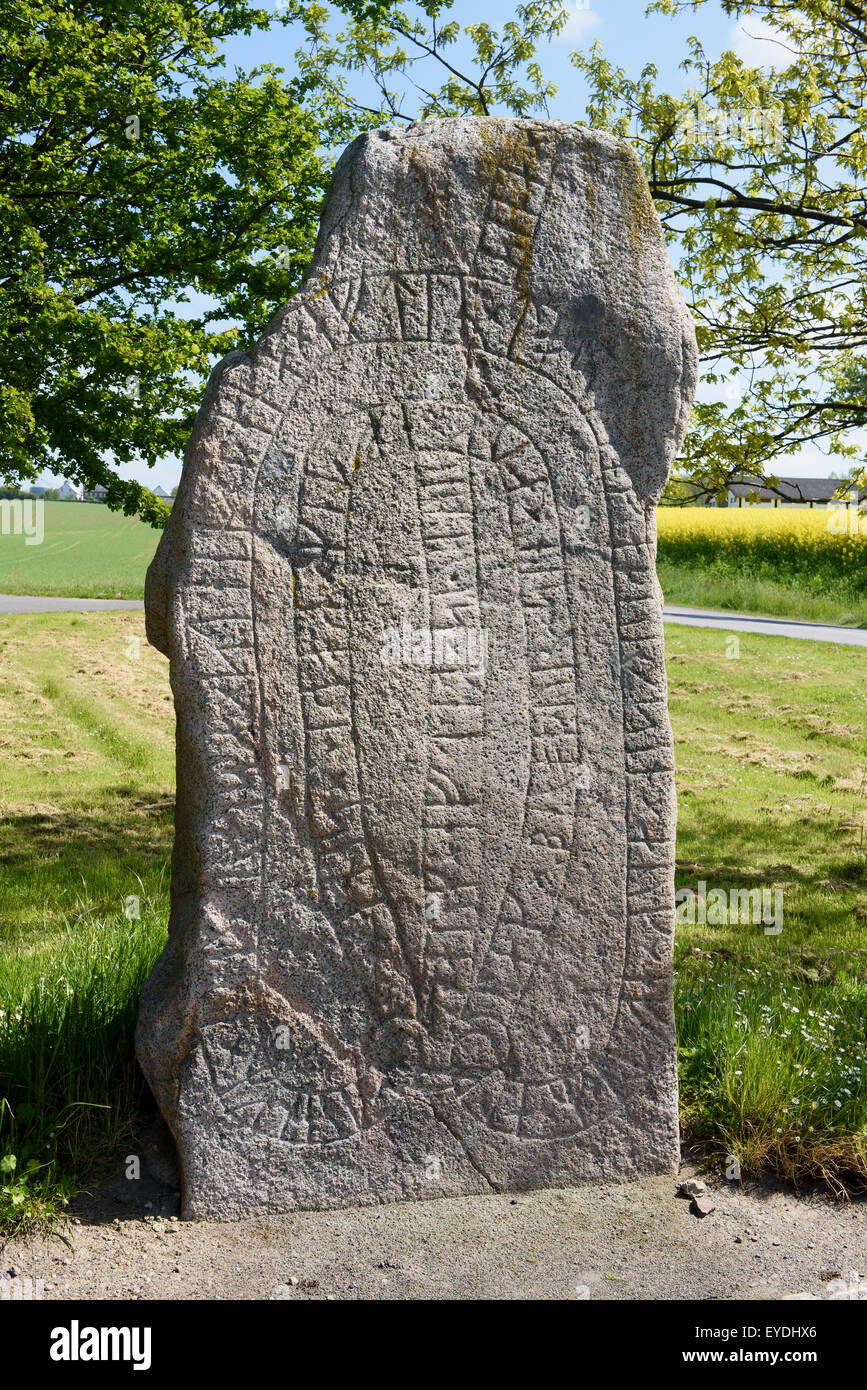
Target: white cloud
[
  {"x": 580, "y": 22},
  {"x": 810, "y": 462},
  {"x": 758, "y": 44}
]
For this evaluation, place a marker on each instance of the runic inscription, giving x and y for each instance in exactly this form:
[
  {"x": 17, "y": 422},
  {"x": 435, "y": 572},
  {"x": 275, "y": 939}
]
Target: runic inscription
[{"x": 423, "y": 874}]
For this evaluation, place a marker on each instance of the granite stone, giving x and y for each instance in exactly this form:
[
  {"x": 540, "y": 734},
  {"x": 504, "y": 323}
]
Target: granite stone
[{"x": 423, "y": 875}]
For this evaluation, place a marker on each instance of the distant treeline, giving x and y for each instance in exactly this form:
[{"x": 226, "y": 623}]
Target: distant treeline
[{"x": 51, "y": 495}]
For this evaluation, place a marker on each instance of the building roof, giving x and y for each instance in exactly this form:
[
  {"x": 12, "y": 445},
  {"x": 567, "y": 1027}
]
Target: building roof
[{"x": 793, "y": 489}]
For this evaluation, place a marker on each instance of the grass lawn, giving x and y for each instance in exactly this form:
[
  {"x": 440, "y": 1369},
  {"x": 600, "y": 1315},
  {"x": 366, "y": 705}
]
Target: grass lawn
[
  {"x": 771, "y": 750},
  {"x": 771, "y": 755},
  {"x": 85, "y": 830},
  {"x": 87, "y": 552}
]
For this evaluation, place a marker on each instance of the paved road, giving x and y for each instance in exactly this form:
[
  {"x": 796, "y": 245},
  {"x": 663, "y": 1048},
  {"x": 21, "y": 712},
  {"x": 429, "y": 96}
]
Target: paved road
[
  {"x": 692, "y": 617},
  {"x": 27, "y": 603},
  {"x": 774, "y": 627}
]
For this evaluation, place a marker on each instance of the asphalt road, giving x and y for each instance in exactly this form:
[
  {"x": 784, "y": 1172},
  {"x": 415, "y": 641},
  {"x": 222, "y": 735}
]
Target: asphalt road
[
  {"x": 773, "y": 627},
  {"x": 692, "y": 617},
  {"x": 27, "y": 603}
]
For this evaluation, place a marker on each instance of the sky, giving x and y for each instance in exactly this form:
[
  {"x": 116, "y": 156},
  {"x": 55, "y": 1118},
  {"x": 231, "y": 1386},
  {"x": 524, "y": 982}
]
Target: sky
[{"x": 630, "y": 37}]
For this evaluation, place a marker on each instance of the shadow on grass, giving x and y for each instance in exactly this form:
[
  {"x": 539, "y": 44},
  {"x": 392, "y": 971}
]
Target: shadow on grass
[{"x": 57, "y": 867}]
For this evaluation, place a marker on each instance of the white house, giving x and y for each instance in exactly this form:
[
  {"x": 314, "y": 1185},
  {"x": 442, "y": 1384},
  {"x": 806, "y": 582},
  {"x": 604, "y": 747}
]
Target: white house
[{"x": 70, "y": 492}]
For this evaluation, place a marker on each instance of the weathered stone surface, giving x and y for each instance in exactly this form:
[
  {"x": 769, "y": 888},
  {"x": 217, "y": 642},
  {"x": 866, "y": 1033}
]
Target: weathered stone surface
[{"x": 422, "y": 899}]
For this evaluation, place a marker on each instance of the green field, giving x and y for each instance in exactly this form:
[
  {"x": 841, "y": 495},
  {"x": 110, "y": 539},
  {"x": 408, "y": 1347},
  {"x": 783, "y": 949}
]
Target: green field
[
  {"x": 771, "y": 750},
  {"x": 90, "y": 552},
  {"x": 87, "y": 552}
]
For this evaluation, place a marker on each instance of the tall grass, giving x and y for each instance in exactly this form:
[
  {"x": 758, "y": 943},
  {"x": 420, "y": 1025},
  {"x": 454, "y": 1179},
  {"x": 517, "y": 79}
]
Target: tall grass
[
  {"x": 787, "y": 562},
  {"x": 773, "y": 1073},
  {"x": 732, "y": 587},
  {"x": 69, "y": 1084}
]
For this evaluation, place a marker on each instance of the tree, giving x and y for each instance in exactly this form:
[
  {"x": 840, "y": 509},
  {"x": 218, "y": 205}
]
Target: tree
[
  {"x": 134, "y": 172},
  {"x": 757, "y": 174},
  {"x": 384, "y": 42}
]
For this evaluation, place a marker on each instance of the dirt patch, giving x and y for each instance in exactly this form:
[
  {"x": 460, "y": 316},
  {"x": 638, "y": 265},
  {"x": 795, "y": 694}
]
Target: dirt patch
[{"x": 637, "y": 1240}]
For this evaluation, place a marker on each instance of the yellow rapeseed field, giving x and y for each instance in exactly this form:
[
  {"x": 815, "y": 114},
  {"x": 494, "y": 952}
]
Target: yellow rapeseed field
[{"x": 795, "y": 539}]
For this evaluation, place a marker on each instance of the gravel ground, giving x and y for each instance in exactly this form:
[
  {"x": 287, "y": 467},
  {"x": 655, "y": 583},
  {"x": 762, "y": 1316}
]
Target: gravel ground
[{"x": 635, "y": 1241}]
